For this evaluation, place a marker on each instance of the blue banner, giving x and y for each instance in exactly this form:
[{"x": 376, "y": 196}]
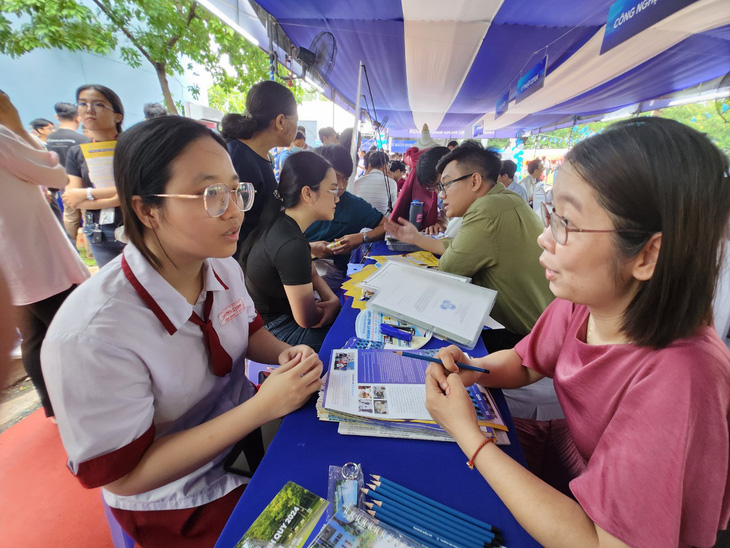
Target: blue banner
[
  {"x": 401, "y": 145},
  {"x": 502, "y": 104},
  {"x": 531, "y": 81},
  {"x": 477, "y": 129},
  {"x": 627, "y": 18}
]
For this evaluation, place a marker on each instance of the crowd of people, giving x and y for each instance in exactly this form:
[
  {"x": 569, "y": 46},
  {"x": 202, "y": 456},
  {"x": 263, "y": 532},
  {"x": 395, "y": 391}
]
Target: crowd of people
[{"x": 217, "y": 247}]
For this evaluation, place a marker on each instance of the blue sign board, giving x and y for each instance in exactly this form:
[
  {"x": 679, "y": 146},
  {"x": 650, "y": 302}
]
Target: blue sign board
[
  {"x": 401, "y": 145},
  {"x": 627, "y": 18},
  {"x": 502, "y": 104},
  {"x": 477, "y": 129},
  {"x": 531, "y": 81}
]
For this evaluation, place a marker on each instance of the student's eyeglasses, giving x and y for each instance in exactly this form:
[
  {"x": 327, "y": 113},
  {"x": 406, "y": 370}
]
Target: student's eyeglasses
[
  {"x": 332, "y": 191},
  {"x": 216, "y": 197},
  {"x": 560, "y": 229},
  {"x": 443, "y": 186},
  {"x": 95, "y": 106}
]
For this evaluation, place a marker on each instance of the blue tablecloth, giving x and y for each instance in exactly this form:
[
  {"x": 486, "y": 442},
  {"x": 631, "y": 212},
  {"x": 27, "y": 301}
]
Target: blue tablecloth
[{"x": 305, "y": 447}]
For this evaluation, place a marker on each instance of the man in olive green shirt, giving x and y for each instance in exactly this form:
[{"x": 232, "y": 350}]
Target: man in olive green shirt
[{"x": 496, "y": 245}]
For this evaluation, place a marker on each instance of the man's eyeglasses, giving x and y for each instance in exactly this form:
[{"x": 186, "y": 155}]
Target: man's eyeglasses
[
  {"x": 216, "y": 197},
  {"x": 96, "y": 106},
  {"x": 443, "y": 186},
  {"x": 560, "y": 229}
]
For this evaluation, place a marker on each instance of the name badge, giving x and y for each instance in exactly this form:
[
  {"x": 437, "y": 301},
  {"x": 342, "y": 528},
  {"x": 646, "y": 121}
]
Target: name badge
[{"x": 106, "y": 217}]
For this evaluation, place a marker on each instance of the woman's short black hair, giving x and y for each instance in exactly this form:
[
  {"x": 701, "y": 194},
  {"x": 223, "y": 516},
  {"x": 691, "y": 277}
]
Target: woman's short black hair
[
  {"x": 143, "y": 165},
  {"x": 338, "y": 156},
  {"x": 657, "y": 175},
  {"x": 426, "y": 165},
  {"x": 264, "y": 102},
  {"x": 110, "y": 96},
  {"x": 300, "y": 169},
  {"x": 395, "y": 165}
]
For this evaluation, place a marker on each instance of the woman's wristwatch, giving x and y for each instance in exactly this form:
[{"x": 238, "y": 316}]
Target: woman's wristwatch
[{"x": 89, "y": 195}]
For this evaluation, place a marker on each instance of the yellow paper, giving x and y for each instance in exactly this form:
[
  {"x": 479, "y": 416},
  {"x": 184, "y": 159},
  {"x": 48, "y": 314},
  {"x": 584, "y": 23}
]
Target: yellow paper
[{"x": 100, "y": 161}]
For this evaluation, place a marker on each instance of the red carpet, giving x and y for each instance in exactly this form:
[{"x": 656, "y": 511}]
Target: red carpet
[{"x": 41, "y": 503}]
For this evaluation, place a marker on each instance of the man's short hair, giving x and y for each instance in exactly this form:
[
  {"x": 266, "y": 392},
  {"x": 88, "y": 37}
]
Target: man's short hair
[
  {"x": 300, "y": 136},
  {"x": 153, "y": 110},
  {"x": 534, "y": 165},
  {"x": 66, "y": 111},
  {"x": 395, "y": 165},
  {"x": 377, "y": 159},
  {"x": 472, "y": 155},
  {"x": 509, "y": 168},
  {"x": 327, "y": 132},
  {"x": 338, "y": 156},
  {"x": 40, "y": 123},
  {"x": 452, "y": 144}
]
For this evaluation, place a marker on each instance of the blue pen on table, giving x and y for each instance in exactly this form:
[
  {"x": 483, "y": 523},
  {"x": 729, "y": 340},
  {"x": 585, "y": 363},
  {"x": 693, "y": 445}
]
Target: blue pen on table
[
  {"x": 436, "y": 360},
  {"x": 396, "y": 333}
]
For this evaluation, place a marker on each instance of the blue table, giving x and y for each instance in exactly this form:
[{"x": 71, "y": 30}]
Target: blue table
[{"x": 304, "y": 447}]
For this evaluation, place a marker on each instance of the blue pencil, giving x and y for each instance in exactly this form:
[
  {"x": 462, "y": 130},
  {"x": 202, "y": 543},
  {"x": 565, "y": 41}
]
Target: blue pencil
[
  {"x": 414, "y": 506},
  {"x": 436, "y": 360},
  {"x": 407, "y": 492},
  {"x": 435, "y": 526},
  {"x": 414, "y": 531},
  {"x": 449, "y": 525}
]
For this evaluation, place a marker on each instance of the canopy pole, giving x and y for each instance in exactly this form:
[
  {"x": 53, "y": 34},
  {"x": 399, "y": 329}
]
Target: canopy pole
[{"x": 355, "y": 130}]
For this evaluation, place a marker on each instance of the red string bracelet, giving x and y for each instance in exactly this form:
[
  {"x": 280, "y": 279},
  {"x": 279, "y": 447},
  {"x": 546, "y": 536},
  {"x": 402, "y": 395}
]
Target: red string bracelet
[{"x": 470, "y": 462}]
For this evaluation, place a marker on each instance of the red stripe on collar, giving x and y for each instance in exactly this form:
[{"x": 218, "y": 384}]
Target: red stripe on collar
[
  {"x": 218, "y": 278},
  {"x": 147, "y": 298}
]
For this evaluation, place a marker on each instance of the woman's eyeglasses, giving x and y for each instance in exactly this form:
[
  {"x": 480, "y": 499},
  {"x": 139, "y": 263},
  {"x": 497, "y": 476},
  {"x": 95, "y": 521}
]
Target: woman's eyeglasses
[
  {"x": 560, "y": 229},
  {"x": 216, "y": 197},
  {"x": 95, "y": 106}
]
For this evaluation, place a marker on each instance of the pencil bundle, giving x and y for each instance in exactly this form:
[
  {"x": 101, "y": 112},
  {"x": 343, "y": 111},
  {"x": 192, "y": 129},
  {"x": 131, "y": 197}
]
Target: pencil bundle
[{"x": 431, "y": 523}]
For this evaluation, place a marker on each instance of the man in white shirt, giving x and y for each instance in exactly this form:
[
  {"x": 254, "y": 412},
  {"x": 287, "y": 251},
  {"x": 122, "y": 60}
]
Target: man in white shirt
[
  {"x": 507, "y": 178},
  {"x": 534, "y": 170},
  {"x": 376, "y": 188}
]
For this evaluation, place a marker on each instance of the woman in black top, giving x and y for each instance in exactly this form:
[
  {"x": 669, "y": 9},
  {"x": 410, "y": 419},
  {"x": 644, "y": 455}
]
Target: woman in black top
[
  {"x": 270, "y": 121},
  {"x": 276, "y": 257},
  {"x": 101, "y": 112}
]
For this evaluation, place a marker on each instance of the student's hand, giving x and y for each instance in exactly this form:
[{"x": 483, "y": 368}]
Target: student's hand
[
  {"x": 330, "y": 309},
  {"x": 72, "y": 197},
  {"x": 454, "y": 410},
  {"x": 403, "y": 230},
  {"x": 449, "y": 355},
  {"x": 291, "y": 353},
  {"x": 347, "y": 243},
  {"x": 433, "y": 229},
  {"x": 320, "y": 249},
  {"x": 289, "y": 386}
]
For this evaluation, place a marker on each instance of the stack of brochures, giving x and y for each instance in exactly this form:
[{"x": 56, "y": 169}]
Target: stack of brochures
[
  {"x": 357, "y": 285},
  {"x": 382, "y": 394},
  {"x": 436, "y": 301}
]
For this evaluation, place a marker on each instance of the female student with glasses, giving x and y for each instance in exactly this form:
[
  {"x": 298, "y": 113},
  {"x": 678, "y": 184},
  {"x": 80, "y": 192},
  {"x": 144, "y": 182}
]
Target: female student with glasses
[
  {"x": 146, "y": 361},
  {"x": 277, "y": 258},
  {"x": 632, "y": 249},
  {"x": 101, "y": 111}
]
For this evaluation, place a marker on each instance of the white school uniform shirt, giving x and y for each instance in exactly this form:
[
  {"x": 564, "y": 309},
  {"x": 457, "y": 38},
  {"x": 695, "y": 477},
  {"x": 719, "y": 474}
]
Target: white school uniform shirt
[
  {"x": 121, "y": 374},
  {"x": 36, "y": 256},
  {"x": 372, "y": 189}
]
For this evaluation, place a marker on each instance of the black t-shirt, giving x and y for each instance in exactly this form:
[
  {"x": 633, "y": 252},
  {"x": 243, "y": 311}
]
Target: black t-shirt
[
  {"x": 61, "y": 140},
  {"x": 76, "y": 166},
  {"x": 252, "y": 168},
  {"x": 281, "y": 257}
]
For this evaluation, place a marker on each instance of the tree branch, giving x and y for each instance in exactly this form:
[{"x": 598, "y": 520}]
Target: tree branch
[
  {"x": 191, "y": 15},
  {"x": 110, "y": 14}
]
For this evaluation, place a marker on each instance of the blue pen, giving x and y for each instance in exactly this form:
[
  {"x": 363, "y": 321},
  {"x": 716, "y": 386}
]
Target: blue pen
[{"x": 396, "y": 333}]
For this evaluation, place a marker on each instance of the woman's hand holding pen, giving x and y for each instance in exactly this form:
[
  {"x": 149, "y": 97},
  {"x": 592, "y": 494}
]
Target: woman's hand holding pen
[
  {"x": 452, "y": 408},
  {"x": 449, "y": 355},
  {"x": 289, "y": 386}
]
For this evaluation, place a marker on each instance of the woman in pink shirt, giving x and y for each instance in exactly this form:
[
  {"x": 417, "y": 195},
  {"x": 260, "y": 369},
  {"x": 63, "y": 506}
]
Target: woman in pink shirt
[{"x": 632, "y": 251}]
